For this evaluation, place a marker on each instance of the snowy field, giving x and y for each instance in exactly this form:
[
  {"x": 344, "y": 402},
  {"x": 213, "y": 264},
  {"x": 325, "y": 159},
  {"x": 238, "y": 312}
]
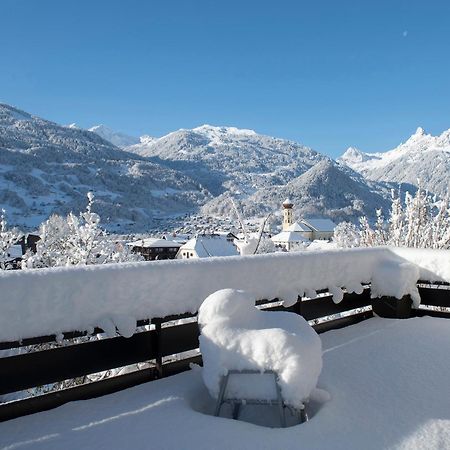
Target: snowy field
[{"x": 387, "y": 382}]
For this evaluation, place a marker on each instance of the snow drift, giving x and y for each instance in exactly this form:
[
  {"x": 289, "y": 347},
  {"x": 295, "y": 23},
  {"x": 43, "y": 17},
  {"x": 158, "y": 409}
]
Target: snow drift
[{"x": 49, "y": 301}]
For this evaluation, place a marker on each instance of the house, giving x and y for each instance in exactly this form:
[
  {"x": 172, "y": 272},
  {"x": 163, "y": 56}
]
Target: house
[
  {"x": 207, "y": 245},
  {"x": 230, "y": 236},
  {"x": 321, "y": 228},
  {"x": 13, "y": 257},
  {"x": 155, "y": 249},
  {"x": 14, "y": 254},
  {"x": 291, "y": 239}
]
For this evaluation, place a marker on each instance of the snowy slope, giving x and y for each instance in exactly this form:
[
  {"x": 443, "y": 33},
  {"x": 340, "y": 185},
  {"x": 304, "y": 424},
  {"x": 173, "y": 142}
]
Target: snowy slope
[
  {"x": 422, "y": 157},
  {"x": 230, "y": 159},
  {"x": 326, "y": 189},
  {"x": 118, "y": 139},
  {"x": 261, "y": 170},
  {"x": 46, "y": 168}
]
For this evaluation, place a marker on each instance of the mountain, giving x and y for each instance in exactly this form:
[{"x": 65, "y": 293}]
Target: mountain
[
  {"x": 230, "y": 159},
  {"x": 118, "y": 139},
  {"x": 326, "y": 189},
  {"x": 423, "y": 159},
  {"x": 47, "y": 168}
]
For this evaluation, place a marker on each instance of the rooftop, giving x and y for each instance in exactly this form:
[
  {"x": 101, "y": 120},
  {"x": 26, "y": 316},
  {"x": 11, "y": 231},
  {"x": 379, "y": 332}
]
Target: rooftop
[
  {"x": 289, "y": 236},
  {"x": 320, "y": 224},
  {"x": 154, "y": 242},
  {"x": 211, "y": 245}
]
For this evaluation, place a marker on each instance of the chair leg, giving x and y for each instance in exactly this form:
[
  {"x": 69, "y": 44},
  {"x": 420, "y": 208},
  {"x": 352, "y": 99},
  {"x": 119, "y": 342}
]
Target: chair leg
[
  {"x": 303, "y": 415},
  {"x": 280, "y": 403},
  {"x": 223, "y": 386},
  {"x": 236, "y": 410}
]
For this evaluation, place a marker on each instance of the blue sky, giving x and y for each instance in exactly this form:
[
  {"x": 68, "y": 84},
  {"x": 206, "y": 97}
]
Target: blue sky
[{"x": 329, "y": 74}]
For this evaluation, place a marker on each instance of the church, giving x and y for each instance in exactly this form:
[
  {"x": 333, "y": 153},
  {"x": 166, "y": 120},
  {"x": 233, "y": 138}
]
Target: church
[{"x": 297, "y": 235}]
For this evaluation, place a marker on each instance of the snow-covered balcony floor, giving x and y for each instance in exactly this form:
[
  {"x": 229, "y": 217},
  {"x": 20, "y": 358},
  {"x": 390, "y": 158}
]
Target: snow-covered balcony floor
[{"x": 389, "y": 387}]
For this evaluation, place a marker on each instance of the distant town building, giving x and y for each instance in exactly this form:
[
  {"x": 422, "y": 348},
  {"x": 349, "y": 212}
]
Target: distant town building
[
  {"x": 321, "y": 228},
  {"x": 296, "y": 235},
  {"x": 28, "y": 242},
  {"x": 287, "y": 214},
  {"x": 290, "y": 240},
  {"x": 207, "y": 245},
  {"x": 155, "y": 249},
  {"x": 14, "y": 256}
]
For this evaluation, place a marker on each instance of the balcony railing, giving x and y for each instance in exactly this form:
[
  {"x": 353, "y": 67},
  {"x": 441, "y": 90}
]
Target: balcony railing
[{"x": 167, "y": 342}]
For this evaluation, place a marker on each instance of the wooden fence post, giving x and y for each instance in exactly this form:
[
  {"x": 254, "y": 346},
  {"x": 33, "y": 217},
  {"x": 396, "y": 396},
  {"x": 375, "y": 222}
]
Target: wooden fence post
[
  {"x": 158, "y": 359},
  {"x": 298, "y": 306},
  {"x": 393, "y": 308}
]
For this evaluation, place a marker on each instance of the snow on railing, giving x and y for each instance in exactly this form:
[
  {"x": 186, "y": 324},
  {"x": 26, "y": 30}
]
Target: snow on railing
[{"x": 50, "y": 301}]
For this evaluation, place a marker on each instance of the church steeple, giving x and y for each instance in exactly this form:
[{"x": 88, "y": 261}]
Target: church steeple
[{"x": 287, "y": 214}]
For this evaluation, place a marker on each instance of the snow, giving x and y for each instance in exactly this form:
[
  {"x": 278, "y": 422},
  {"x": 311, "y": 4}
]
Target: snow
[
  {"x": 15, "y": 251},
  {"x": 154, "y": 242},
  {"x": 422, "y": 157},
  {"x": 320, "y": 224},
  {"x": 396, "y": 280},
  {"x": 218, "y": 133},
  {"x": 45, "y": 301},
  {"x": 289, "y": 236},
  {"x": 298, "y": 227},
  {"x": 119, "y": 139},
  {"x": 320, "y": 244},
  {"x": 387, "y": 381},
  {"x": 211, "y": 245},
  {"x": 235, "y": 335}
]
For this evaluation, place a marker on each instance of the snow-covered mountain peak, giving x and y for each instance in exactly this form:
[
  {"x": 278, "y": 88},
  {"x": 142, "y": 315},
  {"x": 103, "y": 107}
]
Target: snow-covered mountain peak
[
  {"x": 354, "y": 156},
  {"x": 419, "y": 132},
  {"x": 423, "y": 156},
  {"x": 214, "y": 131},
  {"x": 118, "y": 139},
  {"x": 146, "y": 139}
]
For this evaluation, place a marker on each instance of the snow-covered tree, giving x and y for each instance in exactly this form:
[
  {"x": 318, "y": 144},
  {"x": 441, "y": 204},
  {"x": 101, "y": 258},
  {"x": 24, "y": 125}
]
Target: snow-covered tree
[
  {"x": 253, "y": 243},
  {"x": 8, "y": 237},
  {"x": 421, "y": 222},
  {"x": 346, "y": 235},
  {"x": 76, "y": 240}
]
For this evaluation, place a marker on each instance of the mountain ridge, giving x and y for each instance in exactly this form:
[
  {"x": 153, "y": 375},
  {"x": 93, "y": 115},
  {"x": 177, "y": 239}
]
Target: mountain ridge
[
  {"x": 422, "y": 159},
  {"x": 47, "y": 168}
]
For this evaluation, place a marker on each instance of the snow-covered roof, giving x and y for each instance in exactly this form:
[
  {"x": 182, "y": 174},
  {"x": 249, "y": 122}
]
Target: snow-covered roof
[
  {"x": 211, "y": 245},
  {"x": 287, "y": 202},
  {"x": 154, "y": 242},
  {"x": 320, "y": 224},
  {"x": 228, "y": 234},
  {"x": 15, "y": 251},
  {"x": 289, "y": 236},
  {"x": 299, "y": 227}
]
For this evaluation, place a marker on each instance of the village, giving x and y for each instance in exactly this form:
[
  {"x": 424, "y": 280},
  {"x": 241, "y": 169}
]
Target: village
[
  {"x": 212, "y": 237},
  {"x": 304, "y": 234}
]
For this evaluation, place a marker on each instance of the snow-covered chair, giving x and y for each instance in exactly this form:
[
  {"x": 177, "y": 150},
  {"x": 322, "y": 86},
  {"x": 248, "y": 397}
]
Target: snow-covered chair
[{"x": 254, "y": 346}]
